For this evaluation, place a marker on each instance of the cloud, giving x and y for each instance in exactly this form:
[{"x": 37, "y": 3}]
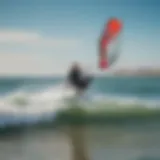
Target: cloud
[
  {"x": 27, "y": 64},
  {"x": 46, "y": 55},
  {"x": 18, "y": 37},
  {"x": 35, "y": 39},
  {"x": 33, "y": 53},
  {"x": 36, "y": 64}
]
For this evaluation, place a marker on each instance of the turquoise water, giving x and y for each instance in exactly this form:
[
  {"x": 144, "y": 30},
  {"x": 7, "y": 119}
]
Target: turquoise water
[
  {"x": 143, "y": 87},
  {"x": 127, "y": 86}
]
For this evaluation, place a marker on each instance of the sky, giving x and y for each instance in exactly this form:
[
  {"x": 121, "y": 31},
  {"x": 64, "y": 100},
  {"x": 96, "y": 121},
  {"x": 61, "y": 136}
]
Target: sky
[{"x": 44, "y": 37}]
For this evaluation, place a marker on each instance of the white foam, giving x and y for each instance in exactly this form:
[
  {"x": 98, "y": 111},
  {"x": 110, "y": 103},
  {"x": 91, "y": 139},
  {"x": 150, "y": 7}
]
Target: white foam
[
  {"x": 127, "y": 101},
  {"x": 37, "y": 104},
  {"x": 42, "y": 104}
]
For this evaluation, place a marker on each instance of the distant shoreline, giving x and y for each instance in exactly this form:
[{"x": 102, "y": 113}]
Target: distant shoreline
[
  {"x": 96, "y": 76},
  {"x": 138, "y": 72},
  {"x": 108, "y": 73}
]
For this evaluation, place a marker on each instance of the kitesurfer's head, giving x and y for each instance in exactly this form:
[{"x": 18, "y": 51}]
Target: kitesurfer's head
[{"x": 76, "y": 65}]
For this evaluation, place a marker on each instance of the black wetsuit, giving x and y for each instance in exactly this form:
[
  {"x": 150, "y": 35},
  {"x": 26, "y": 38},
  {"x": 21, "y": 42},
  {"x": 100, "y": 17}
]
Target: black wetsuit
[{"x": 77, "y": 80}]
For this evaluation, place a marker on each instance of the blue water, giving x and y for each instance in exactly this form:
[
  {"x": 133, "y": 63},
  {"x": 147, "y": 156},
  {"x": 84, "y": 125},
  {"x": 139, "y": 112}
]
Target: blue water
[
  {"x": 12, "y": 84},
  {"x": 145, "y": 87},
  {"x": 142, "y": 87},
  {"x": 120, "y": 90}
]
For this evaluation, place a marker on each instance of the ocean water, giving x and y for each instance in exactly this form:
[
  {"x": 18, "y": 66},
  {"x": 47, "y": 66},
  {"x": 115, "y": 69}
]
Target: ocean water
[
  {"x": 29, "y": 100},
  {"x": 122, "y": 87}
]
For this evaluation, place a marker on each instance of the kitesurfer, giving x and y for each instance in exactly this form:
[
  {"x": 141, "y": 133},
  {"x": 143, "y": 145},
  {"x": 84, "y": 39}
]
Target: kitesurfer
[{"x": 77, "y": 79}]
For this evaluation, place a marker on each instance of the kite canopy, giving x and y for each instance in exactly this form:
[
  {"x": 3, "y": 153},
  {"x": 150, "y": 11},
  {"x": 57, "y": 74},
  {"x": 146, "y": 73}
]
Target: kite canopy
[
  {"x": 114, "y": 27},
  {"x": 110, "y": 34}
]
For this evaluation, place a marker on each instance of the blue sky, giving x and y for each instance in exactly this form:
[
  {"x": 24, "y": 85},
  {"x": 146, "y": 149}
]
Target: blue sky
[{"x": 44, "y": 36}]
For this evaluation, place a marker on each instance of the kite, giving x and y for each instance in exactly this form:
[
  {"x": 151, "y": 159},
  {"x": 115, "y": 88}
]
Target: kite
[{"x": 109, "y": 37}]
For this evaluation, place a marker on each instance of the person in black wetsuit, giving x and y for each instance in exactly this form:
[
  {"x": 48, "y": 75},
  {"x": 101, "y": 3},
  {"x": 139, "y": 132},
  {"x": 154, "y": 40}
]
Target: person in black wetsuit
[{"x": 77, "y": 79}]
